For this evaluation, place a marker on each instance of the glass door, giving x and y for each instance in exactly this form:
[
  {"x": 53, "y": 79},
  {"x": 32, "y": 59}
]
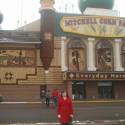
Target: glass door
[
  {"x": 78, "y": 90},
  {"x": 105, "y": 90}
]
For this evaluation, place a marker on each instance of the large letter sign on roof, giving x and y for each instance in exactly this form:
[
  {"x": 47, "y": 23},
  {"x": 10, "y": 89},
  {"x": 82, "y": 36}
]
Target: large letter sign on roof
[{"x": 98, "y": 26}]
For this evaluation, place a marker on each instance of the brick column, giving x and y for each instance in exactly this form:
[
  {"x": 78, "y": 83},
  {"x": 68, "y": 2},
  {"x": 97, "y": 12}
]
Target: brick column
[
  {"x": 69, "y": 88},
  {"x": 91, "y": 90}
]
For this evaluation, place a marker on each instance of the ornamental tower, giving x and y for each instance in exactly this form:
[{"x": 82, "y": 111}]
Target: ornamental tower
[{"x": 47, "y": 32}]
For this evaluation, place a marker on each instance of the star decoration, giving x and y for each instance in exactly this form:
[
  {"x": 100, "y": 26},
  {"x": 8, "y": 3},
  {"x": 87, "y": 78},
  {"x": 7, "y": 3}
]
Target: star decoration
[{"x": 8, "y": 75}]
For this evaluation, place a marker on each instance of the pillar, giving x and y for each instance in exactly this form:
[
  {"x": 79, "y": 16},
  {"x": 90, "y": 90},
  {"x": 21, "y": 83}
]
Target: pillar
[
  {"x": 90, "y": 55},
  {"x": 117, "y": 56},
  {"x": 63, "y": 54}
]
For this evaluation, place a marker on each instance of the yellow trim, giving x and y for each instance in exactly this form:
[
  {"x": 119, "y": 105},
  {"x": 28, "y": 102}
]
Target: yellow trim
[{"x": 100, "y": 101}]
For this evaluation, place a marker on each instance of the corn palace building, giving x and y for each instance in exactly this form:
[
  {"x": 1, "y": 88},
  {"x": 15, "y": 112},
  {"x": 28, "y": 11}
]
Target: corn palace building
[{"x": 82, "y": 53}]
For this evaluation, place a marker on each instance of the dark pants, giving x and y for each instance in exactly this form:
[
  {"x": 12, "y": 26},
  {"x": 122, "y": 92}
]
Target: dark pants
[
  {"x": 47, "y": 101},
  {"x": 55, "y": 101}
]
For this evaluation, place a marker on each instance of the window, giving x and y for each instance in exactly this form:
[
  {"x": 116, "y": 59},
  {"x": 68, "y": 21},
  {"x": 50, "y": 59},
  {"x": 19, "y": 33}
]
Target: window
[
  {"x": 76, "y": 55},
  {"x": 105, "y": 90},
  {"x": 123, "y": 56},
  {"x": 78, "y": 90},
  {"x": 104, "y": 56}
]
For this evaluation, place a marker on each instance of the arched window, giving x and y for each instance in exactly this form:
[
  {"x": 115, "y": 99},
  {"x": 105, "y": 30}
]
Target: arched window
[
  {"x": 123, "y": 55},
  {"x": 76, "y": 55},
  {"x": 104, "y": 58}
]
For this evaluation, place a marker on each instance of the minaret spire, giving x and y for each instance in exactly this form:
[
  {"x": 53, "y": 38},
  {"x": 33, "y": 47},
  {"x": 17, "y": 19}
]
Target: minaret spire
[{"x": 47, "y": 4}]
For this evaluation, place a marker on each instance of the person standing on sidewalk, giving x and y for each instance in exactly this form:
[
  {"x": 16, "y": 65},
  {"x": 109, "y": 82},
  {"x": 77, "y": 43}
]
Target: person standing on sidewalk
[
  {"x": 64, "y": 109},
  {"x": 55, "y": 96},
  {"x": 48, "y": 97}
]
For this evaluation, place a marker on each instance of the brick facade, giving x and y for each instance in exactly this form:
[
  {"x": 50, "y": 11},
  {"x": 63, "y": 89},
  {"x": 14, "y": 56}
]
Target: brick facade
[
  {"x": 20, "y": 92},
  {"x": 91, "y": 90},
  {"x": 119, "y": 89}
]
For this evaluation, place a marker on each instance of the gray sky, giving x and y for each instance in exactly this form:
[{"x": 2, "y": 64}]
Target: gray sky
[{"x": 20, "y": 12}]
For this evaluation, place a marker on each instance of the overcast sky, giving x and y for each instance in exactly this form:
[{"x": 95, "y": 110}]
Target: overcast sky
[{"x": 20, "y": 12}]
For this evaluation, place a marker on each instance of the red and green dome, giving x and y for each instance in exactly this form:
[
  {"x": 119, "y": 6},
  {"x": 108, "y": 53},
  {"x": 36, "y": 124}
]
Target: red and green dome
[{"x": 106, "y": 4}]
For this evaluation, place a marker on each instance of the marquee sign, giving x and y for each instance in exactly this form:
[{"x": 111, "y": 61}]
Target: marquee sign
[
  {"x": 98, "y": 26},
  {"x": 93, "y": 76}
]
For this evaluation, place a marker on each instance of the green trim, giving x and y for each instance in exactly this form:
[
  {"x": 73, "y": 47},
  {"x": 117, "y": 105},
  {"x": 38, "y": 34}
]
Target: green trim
[{"x": 107, "y": 4}]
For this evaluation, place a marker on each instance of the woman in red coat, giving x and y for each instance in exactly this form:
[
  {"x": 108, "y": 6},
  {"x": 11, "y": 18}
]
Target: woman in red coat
[{"x": 65, "y": 110}]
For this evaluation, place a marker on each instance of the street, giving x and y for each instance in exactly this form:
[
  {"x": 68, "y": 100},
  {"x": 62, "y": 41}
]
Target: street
[{"x": 39, "y": 113}]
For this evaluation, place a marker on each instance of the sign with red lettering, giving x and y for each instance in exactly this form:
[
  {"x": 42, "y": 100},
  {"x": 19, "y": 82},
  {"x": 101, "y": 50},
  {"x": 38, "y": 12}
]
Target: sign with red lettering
[{"x": 98, "y": 26}]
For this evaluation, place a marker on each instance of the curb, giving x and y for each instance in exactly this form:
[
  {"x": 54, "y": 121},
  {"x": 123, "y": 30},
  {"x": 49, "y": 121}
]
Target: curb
[
  {"x": 101, "y": 101},
  {"x": 99, "y": 122},
  {"x": 75, "y": 102}
]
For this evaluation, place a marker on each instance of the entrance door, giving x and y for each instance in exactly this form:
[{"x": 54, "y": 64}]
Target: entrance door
[
  {"x": 105, "y": 90},
  {"x": 78, "y": 90}
]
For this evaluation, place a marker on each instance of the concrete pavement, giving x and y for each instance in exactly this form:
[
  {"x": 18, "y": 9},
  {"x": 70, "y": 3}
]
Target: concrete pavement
[{"x": 32, "y": 113}]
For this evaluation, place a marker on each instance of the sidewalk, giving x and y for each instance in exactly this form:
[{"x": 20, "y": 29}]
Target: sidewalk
[{"x": 105, "y": 122}]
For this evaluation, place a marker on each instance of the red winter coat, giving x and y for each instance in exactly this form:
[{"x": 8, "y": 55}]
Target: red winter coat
[
  {"x": 55, "y": 94},
  {"x": 64, "y": 109}
]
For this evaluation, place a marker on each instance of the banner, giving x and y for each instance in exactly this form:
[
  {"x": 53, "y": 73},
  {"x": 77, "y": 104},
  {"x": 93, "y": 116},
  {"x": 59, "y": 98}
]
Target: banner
[{"x": 98, "y": 26}]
